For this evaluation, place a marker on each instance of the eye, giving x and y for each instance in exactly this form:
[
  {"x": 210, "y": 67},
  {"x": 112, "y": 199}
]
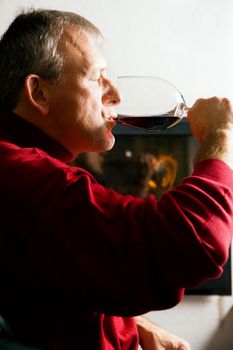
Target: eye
[
  {"x": 96, "y": 78},
  {"x": 99, "y": 76}
]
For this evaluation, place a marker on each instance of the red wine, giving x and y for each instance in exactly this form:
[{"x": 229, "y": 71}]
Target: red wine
[{"x": 151, "y": 123}]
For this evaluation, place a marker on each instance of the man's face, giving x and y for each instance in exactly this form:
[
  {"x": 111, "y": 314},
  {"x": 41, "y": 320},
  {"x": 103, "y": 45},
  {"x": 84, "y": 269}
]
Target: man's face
[{"x": 82, "y": 104}]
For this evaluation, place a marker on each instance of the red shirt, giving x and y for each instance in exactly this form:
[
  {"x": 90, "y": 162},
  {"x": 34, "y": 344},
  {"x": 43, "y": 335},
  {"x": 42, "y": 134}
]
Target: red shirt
[{"x": 77, "y": 260}]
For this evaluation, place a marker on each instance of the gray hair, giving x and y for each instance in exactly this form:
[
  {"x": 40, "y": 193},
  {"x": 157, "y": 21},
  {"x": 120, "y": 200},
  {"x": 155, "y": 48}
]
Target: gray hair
[{"x": 30, "y": 45}]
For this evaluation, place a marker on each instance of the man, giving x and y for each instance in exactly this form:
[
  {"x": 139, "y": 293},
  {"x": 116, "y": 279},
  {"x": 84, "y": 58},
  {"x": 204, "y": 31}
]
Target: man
[{"x": 78, "y": 261}]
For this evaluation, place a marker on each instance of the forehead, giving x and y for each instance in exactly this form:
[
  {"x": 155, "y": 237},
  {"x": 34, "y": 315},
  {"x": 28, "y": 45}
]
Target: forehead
[{"x": 82, "y": 49}]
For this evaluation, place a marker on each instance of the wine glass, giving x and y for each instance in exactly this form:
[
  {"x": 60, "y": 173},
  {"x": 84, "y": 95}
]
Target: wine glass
[{"x": 149, "y": 103}]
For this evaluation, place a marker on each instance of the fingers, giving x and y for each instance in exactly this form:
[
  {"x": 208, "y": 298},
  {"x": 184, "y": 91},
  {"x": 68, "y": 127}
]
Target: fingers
[
  {"x": 227, "y": 104},
  {"x": 221, "y": 103},
  {"x": 207, "y": 116},
  {"x": 185, "y": 346}
]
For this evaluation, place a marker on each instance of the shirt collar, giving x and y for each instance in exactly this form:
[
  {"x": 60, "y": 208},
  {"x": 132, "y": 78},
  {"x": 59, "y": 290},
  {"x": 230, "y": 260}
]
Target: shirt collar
[{"x": 25, "y": 134}]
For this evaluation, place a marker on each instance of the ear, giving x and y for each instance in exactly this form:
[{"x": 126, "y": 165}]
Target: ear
[{"x": 37, "y": 93}]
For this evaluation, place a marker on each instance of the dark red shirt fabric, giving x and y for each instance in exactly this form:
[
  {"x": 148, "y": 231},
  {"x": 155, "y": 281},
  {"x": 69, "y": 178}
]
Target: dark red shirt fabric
[{"x": 77, "y": 260}]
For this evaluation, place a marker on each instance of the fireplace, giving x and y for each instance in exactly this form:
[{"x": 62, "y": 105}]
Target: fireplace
[{"x": 144, "y": 162}]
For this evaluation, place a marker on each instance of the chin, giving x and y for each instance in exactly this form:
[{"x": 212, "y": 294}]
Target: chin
[{"x": 110, "y": 143}]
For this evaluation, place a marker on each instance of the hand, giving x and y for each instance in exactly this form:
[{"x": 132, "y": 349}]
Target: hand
[
  {"x": 153, "y": 337},
  {"x": 208, "y": 116},
  {"x": 211, "y": 121}
]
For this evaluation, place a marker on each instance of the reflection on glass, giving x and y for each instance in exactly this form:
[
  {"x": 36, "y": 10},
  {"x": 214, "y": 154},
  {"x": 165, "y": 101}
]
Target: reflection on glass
[
  {"x": 148, "y": 174},
  {"x": 135, "y": 167}
]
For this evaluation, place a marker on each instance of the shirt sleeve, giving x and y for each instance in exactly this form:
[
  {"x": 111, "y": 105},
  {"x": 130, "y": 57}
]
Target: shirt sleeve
[{"x": 158, "y": 247}]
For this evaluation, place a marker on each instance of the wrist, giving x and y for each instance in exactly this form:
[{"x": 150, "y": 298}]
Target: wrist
[{"x": 216, "y": 145}]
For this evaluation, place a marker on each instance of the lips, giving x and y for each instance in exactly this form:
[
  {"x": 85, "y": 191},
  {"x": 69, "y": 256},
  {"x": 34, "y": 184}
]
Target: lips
[
  {"x": 112, "y": 120},
  {"x": 113, "y": 117}
]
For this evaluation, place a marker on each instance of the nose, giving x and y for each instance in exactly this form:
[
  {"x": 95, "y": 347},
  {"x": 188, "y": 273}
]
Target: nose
[{"x": 111, "y": 94}]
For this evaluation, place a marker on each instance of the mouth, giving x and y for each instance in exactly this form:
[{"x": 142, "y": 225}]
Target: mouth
[
  {"x": 112, "y": 122},
  {"x": 110, "y": 119}
]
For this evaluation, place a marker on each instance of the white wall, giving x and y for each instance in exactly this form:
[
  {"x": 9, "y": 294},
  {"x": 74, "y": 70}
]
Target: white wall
[
  {"x": 186, "y": 41},
  {"x": 189, "y": 42}
]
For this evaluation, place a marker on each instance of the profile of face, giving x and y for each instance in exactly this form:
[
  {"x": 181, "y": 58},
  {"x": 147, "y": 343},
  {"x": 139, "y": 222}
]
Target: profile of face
[{"x": 82, "y": 104}]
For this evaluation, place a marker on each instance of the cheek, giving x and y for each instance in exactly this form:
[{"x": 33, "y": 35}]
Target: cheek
[
  {"x": 91, "y": 106},
  {"x": 63, "y": 100},
  {"x": 79, "y": 104}
]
